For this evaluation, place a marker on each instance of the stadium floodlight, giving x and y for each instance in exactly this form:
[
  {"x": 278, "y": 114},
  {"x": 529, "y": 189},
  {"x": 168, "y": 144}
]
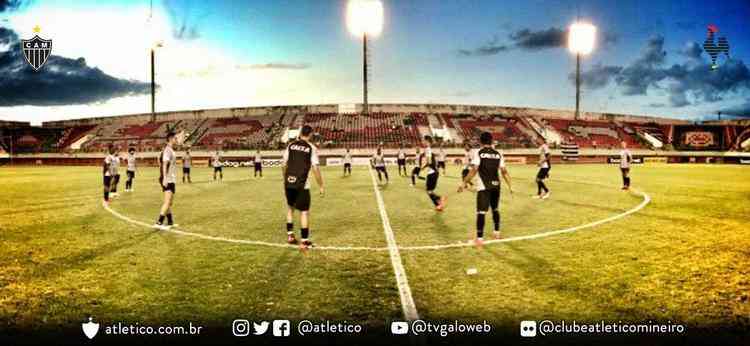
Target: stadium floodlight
[
  {"x": 364, "y": 18},
  {"x": 581, "y": 38}
]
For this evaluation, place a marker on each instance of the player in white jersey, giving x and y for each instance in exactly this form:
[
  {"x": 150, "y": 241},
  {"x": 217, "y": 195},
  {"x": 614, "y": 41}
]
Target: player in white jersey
[
  {"x": 544, "y": 167},
  {"x": 347, "y": 163},
  {"x": 187, "y": 163},
  {"x": 116, "y": 168},
  {"x": 378, "y": 162},
  {"x": 216, "y": 163},
  {"x": 108, "y": 172},
  {"x": 258, "y": 164},
  {"x": 401, "y": 160},
  {"x": 130, "y": 172},
  {"x": 467, "y": 165},
  {"x": 167, "y": 180},
  {"x": 441, "y": 157},
  {"x": 625, "y": 160}
]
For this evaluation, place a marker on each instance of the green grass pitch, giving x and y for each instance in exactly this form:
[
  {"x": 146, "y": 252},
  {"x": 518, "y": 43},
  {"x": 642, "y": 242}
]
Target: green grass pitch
[{"x": 685, "y": 257}]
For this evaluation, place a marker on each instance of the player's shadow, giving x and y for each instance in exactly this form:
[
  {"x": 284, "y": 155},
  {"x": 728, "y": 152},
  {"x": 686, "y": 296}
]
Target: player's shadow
[{"x": 84, "y": 258}]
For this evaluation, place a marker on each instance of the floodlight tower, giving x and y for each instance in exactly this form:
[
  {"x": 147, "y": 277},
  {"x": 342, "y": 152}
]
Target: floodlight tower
[
  {"x": 581, "y": 37},
  {"x": 364, "y": 18},
  {"x": 154, "y": 41}
]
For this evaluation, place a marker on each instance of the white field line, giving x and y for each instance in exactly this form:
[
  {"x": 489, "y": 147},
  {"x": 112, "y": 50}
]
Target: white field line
[
  {"x": 407, "y": 301},
  {"x": 646, "y": 201}
]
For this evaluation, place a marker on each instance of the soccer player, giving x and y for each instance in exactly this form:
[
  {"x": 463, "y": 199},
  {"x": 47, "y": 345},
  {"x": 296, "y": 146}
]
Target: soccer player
[
  {"x": 378, "y": 161},
  {"x": 418, "y": 159},
  {"x": 108, "y": 172},
  {"x": 441, "y": 159},
  {"x": 115, "y": 164},
  {"x": 487, "y": 162},
  {"x": 432, "y": 175},
  {"x": 258, "y": 163},
  {"x": 467, "y": 165},
  {"x": 187, "y": 163},
  {"x": 167, "y": 180},
  {"x": 544, "y": 167},
  {"x": 401, "y": 160},
  {"x": 625, "y": 160},
  {"x": 347, "y": 163},
  {"x": 216, "y": 163},
  {"x": 130, "y": 172},
  {"x": 299, "y": 158}
]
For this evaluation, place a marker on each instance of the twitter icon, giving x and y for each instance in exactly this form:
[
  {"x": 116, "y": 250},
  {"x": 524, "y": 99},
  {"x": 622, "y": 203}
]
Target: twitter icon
[{"x": 261, "y": 328}]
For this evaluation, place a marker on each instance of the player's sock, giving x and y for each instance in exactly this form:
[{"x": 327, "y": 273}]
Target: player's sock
[
  {"x": 544, "y": 187},
  {"x": 496, "y": 219},
  {"x": 435, "y": 198},
  {"x": 169, "y": 219},
  {"x": 304, "y": 233},
  {"x": 413, "y": 182},
  {"x": 480, "y": 225},
  {"x": 627, "y": 181},
  {"x": 289, "y": 228},
  {"x": 161, "y": 220},
  {"x": 106, "y": 195}
]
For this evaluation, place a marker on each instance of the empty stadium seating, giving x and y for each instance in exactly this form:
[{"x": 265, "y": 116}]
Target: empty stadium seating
[
  {"x": 365, "y": 131},
  {"x": 507, "y": 131},
  {"x": 593, "y": 134}
]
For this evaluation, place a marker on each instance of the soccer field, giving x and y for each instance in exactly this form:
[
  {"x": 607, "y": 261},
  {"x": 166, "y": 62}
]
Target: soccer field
[{"x": 679, "y": 252}]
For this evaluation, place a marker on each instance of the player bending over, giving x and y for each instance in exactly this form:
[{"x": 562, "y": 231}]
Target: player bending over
[
  {"x": 401, "y": 160},
  {"x": 487, "y": 162},
  {"x": 418, "y": 160},
  {"x": 108, "y": 171},
  {"x": 130, "y": 172},
  {"x": 378, "y": 161},
  {"x": 299, "y": 158},
  {"x": 167, "y": 180},
  {"x": 625, "y": 160},
  {"x": 544, "y": 167},
  {"x": 258, "y": 163},
  {"x": 347, "y": 163},
  {"x": 216, "y": 163},
  {"x": 432, "y": 176},
  {"x": 187, "y": 163}
]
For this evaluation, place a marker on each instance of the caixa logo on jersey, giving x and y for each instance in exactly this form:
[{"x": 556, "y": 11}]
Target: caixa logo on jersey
[{"x": 36, "y": 50}]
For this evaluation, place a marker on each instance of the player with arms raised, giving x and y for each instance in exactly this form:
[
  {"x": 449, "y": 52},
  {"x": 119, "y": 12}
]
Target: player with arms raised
[
  {"x": 299, "y": 158},
  {"x": 487, "y": 162}
]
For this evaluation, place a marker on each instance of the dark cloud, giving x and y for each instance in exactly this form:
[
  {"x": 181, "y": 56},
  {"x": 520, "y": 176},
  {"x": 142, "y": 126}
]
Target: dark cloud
[
  {"x": 9, "y": 5},
  {"x": 742, "y": 110},
  {"x": 490, "y": 48},
  {"x": 536, "y": 40},
  {"x": 692, "y": 50},
  {"x": 62, "y": 81},
  {"x": 186, "y": 22},
  {"x": 598, "y": 76},
  {"x": 685, "y": 83},
  {"x": 530, "y": 40}
]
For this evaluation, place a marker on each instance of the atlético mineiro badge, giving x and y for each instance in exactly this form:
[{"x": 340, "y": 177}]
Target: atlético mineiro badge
[{"x": 36, "y": 50}]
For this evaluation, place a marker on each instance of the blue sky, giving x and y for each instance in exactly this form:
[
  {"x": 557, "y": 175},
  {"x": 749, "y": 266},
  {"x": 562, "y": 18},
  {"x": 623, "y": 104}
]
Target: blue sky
[{"x": 246, "y": 53}]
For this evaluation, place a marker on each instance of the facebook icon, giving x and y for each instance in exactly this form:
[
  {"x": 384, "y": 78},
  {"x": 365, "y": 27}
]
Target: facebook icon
[{"x": 281, "y": 328}]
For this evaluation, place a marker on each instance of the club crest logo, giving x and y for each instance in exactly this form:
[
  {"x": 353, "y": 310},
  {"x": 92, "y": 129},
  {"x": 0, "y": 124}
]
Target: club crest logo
[
  {"x": 90, "y": 328},
  {"x": 36, "y": 50},
  {"x": 714, "y": 45}
]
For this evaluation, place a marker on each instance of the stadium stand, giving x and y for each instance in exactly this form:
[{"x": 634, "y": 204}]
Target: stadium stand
[
  {"x": 594, "y": 134},
  {"x": 366, "y": 131},
  {"x": 509, "y": 132}
]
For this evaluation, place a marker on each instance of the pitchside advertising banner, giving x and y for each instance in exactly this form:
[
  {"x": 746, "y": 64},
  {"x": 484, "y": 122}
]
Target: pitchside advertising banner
[
  {"x": 745, "y": 161},
  {"x": 250, "y": 163},
  {"x": 617, "y": 160},
  {"x": 357, "y": 161},
  {"x": 655, "y": 160}
]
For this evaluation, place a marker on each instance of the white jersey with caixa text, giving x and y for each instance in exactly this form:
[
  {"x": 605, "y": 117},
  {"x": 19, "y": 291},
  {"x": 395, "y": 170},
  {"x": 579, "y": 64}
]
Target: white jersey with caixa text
[
  {"x": 378, "y": 160},
  {"x": 131, "y": 162},
  {"x": 625, "y": 158},
  {"x": 168, "y": 157},
  {"x": 110, "y": 170}
]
